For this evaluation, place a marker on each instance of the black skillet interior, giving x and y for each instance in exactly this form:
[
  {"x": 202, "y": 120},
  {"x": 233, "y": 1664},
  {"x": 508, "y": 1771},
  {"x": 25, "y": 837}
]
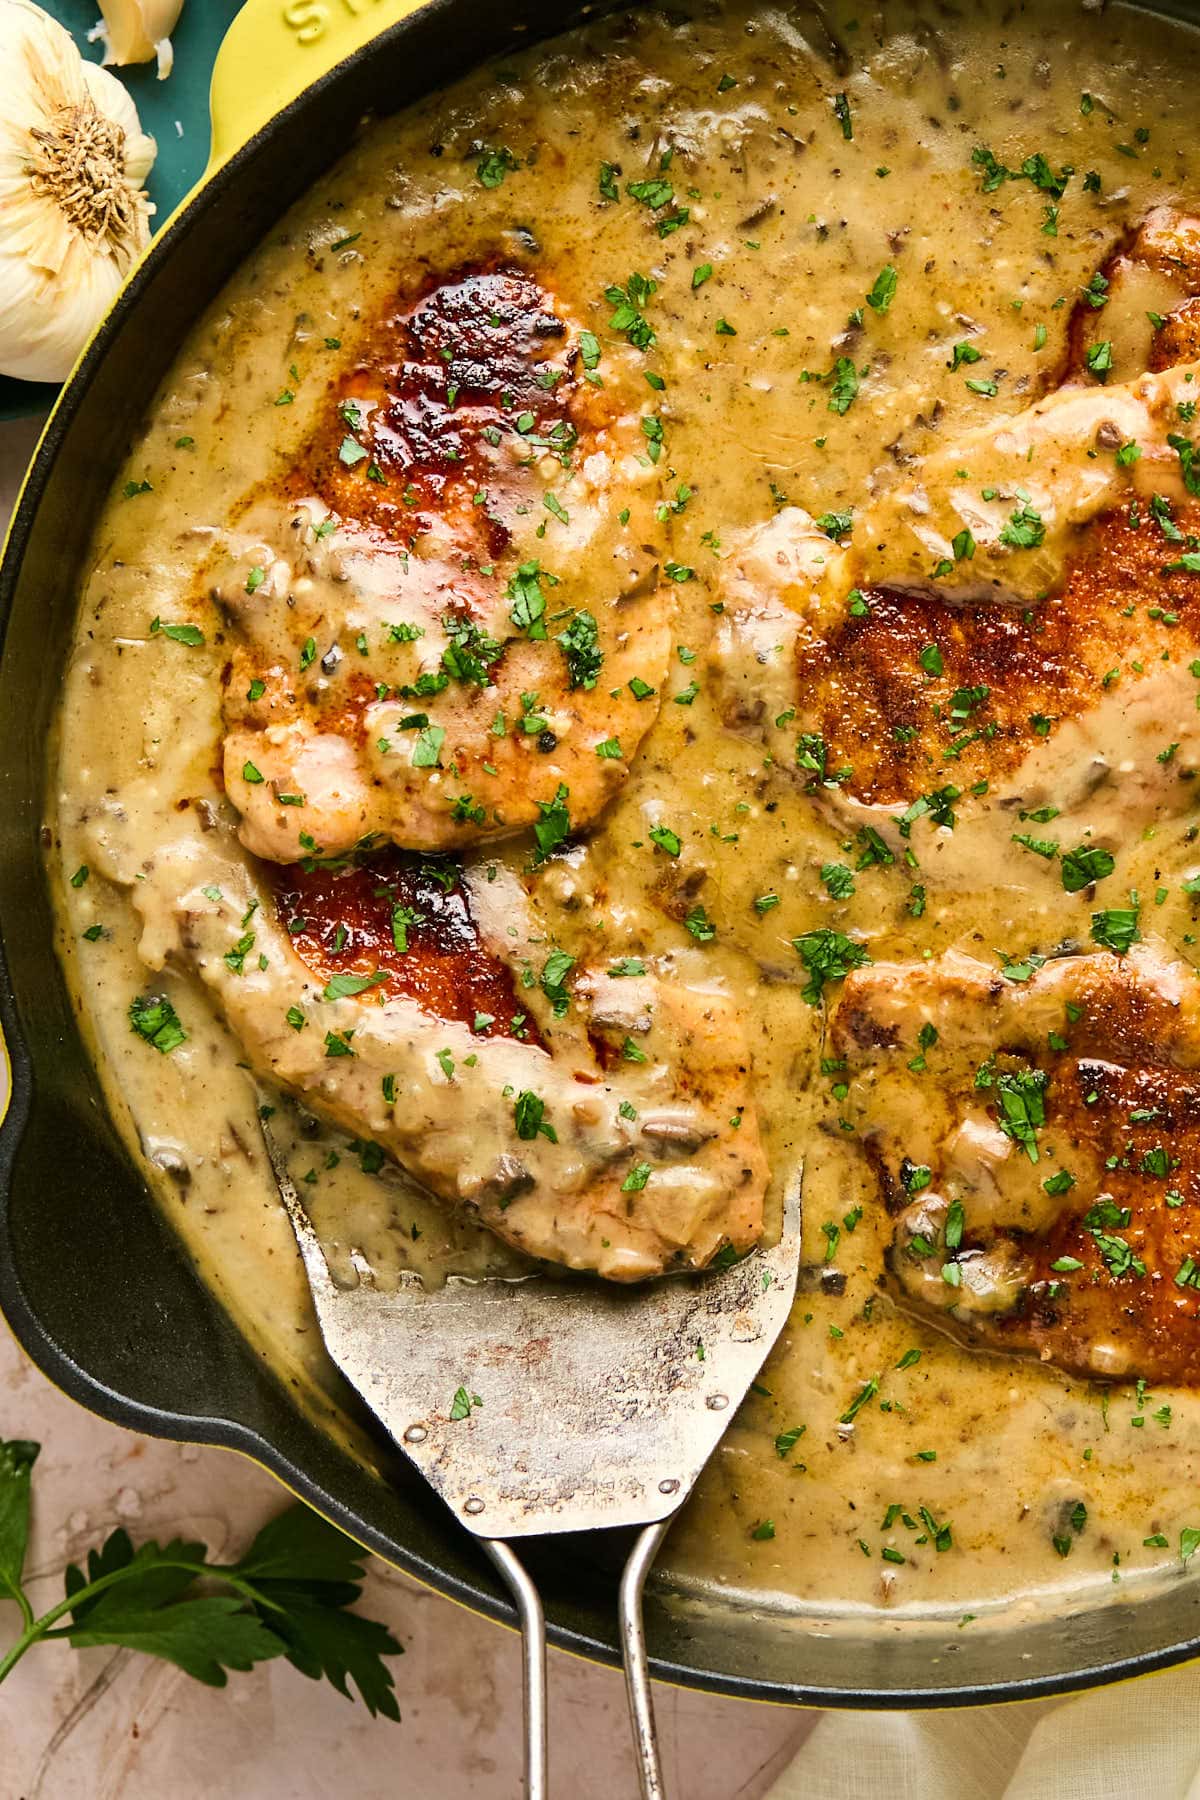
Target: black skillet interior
[{"x": 93, "y": 1281}]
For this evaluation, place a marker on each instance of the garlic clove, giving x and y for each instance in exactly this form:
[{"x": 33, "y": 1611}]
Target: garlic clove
[
  {"x": 66, "y": 303},
  {"x": 73, "y": 213},
  {"x": 137, "y": 31}
]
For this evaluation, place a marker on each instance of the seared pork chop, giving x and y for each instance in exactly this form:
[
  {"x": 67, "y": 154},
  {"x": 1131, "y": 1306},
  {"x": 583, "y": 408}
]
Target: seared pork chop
[
  {"x": 1039, "y": 1144},
  {"x": 1142, "y": 308},
  {"x": 1008, "y": 630},
  {"x": 595, "y": 1117},
  {"x": 450, "y": 616}
]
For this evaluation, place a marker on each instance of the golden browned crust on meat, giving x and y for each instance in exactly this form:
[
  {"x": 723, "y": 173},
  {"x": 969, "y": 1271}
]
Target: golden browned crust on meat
[
  {"x": 408, "y": 926},
  {"x": 446, "y": 381},
  {"x": 1076, "y": 1239},
  {"x": 1165, "y": 245},
  {"x": 1009, "y": 676},
  {"x": 388, "y": 596}
]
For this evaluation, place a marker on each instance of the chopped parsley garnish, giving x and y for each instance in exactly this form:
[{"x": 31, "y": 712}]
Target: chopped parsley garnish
[
  {"x": 1035, "y": 168},
  {"x": 557, "y": 967},
  {"x": 427, "y": 747},
  {"x": 462, "y": 1404},
  {"x": 344, "y": 987},
  {"x": 628, "y": 317},
  {"x": 1084, "y": 865},
  {"x": 827, "y": 956},
  {"x": 654, "y": 193},
  {"x": 191, "y": 635},
  {"x": 494, "y": 165},
  {"x": 1099, "y": 358},
  {"x": 155, "y": 1020},
  {"x": 883, "y": 289},
  {"x": 1189, "y": 464},
  {"x": 554, "y": 824},
  {"x": 469, "y": 655},
  {"x": 700, "y": 925},
  {"x": 1024, "y": 529},
  {"x": 529, "y": 1116},
  {"x": 838, "y": 879},
  {"x": 867, "y": 1392},
  {"x": 1116, "y": 928},
  {"x": 527, "y": 601},
  {"x": 1022, "y": 1099},
  {"x": 580, "y": 644},
  {"x": 844, "y": 390}
]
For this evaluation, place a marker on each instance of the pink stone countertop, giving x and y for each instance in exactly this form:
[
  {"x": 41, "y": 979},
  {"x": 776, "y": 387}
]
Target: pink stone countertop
[{"x": 105, "y": 1725}]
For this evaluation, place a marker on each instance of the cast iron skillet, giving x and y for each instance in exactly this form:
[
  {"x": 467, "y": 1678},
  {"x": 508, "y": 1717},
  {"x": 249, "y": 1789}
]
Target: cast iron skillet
[{"x": 93, "y": 1281}]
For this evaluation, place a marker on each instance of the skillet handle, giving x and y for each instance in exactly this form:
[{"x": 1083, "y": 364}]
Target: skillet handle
[
  {"x": 533, "y": 1645},
  {"x": 274, "y": 49}
]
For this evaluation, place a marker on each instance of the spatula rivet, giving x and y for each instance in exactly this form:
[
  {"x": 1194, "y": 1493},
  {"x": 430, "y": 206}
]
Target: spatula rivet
[
  {"x": 717, "y": 1402},
  {"x": 473, "y": 1505},
  {"x": 669, "y": 1486},
  {"x": 416, "y": 1434}
]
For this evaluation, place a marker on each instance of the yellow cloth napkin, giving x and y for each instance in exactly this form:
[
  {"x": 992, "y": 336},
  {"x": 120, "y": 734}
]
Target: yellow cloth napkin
[{"x": 1139, "y": 1740}]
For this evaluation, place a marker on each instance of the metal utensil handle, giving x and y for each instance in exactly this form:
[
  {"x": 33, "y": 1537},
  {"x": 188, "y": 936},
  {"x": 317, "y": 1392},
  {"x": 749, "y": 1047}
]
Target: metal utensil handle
[
  {"x": 637, "y": 1666},
  {"x": 533, "y": 1664},
  {"x": 633, "y": 1653}
]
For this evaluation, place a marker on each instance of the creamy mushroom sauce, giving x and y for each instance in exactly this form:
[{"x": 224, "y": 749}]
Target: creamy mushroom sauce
[{"x": 810, "y": 148}]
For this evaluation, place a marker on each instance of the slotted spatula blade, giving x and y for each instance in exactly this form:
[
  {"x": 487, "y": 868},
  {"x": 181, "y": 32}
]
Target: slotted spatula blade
[{"x": 543, "y": 1404}]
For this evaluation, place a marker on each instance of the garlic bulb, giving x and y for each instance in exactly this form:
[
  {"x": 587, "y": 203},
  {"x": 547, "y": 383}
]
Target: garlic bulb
[
  {"x": 73, "y": 212},
  {"x": 135, "y": 30}
]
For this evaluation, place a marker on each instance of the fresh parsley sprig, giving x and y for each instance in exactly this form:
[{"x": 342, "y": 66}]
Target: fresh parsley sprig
[{"x": 289, "y": 1595}]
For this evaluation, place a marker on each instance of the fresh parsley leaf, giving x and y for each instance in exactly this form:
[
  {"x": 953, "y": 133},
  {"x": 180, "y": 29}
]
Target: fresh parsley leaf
[
  {"x": 1022, "y": 1097},
  {"x": 529, "y": 1117},
  {"x": 827, "y": 956},
  {"x": 343, "y": 987},
  {"x": 191, "y": 635},
  {"x": 494, "y": 165},
  {"x": 288, "y": 1596},
  {"x": 883, "y": 290},
  {"x": 1024, "y": 529},
  {"x": 153, "y": 1018},
  {"x": 580, "y": 644},
  {"x": 1116, "y": 928},
  {"x": 17, "y": 1457},
  {"x": 1085, "y": 864},
  {"x": 844, "y": 390}
]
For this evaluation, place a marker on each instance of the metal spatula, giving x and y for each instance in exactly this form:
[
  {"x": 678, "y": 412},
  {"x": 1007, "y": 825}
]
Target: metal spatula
[{"x": 539, "y": 1405}]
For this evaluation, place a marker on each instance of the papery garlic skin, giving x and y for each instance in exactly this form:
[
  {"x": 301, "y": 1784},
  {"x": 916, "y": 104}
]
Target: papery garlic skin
[
  {"x": 135, "y": 31},
  {"x": 73, "y": 212}
]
